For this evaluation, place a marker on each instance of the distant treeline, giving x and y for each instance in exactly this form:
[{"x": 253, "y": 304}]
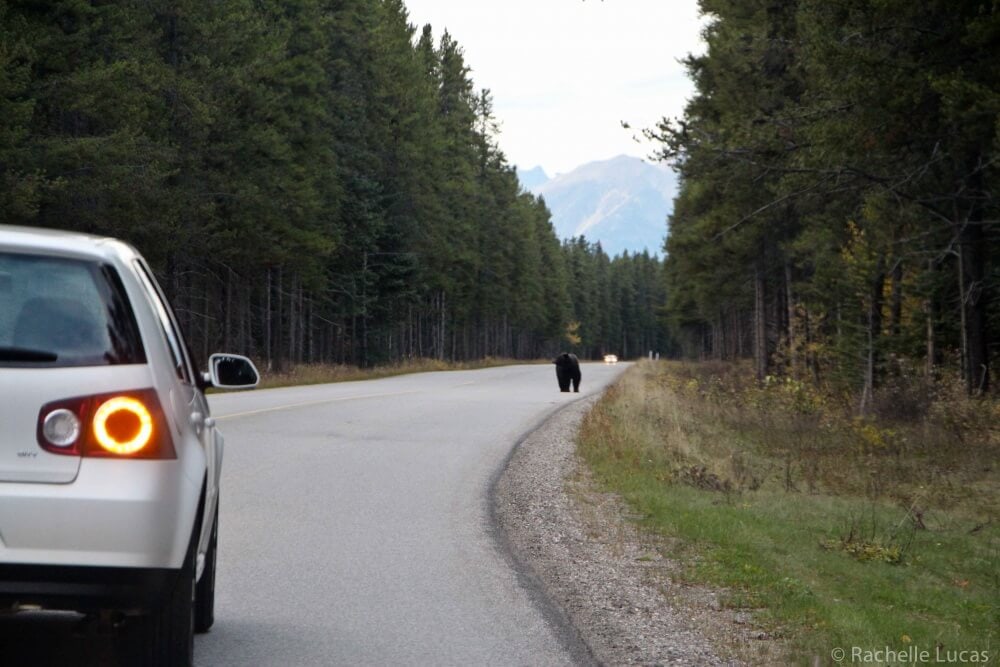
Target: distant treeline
[
  {"x": 312, "y": 180},
  {"x": 838, "y": 213}
]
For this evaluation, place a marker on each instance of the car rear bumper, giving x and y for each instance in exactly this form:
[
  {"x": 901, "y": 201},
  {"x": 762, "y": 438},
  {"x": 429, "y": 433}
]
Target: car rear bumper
[
  {"x": 83, "y": 589},
  {"x": 116, "y": 514}
]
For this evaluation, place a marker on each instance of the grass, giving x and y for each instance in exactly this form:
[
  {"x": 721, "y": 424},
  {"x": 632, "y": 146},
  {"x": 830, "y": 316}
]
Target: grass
[
  {"x": 874, "y": 533},
  {"x": 325, "y": 373}
]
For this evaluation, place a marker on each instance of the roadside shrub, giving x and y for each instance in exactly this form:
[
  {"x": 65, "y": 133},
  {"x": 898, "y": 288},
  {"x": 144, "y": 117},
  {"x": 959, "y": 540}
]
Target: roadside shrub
[{"x": 930, "y": 443}]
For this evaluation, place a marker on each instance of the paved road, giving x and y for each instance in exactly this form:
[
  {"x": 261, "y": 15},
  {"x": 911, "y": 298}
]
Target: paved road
[
  {"x": 356, "y": 528},
  {"x": 355, "y": 525}
]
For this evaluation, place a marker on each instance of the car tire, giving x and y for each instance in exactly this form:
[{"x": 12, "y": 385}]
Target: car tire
[
  {"x": 204, "y": 596},
  {"x": 169, "y": 628}
]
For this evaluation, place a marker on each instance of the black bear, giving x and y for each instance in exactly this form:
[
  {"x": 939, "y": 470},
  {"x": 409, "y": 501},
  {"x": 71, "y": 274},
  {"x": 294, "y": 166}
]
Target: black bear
[{"x": 567, "y": 370}]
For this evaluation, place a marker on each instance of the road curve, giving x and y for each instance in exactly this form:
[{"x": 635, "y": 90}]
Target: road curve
[{"x": 355, "y": 524}]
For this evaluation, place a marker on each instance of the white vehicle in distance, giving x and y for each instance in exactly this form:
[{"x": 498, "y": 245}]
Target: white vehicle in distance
[
  {"x": 109, "y": 460},
  {"x": 610, "y": 359}
]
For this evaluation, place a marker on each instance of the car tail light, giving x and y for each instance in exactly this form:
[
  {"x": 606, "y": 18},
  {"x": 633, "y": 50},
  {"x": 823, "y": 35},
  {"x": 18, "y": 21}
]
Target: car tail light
[{"x": 120, "y": 425}]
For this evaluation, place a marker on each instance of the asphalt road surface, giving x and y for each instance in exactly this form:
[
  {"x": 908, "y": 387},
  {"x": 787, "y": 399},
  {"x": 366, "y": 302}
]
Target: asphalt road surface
[{"x": 355, "y": 529}]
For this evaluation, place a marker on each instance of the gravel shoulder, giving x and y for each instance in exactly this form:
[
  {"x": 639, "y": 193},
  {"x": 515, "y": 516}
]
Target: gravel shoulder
[{"x": 610, "y": 582}]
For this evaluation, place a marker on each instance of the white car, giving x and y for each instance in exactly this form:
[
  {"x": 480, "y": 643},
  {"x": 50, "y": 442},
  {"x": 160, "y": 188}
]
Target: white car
[
  {"x": 610, "y": 358},
  {"x": 109, "y": 460}
]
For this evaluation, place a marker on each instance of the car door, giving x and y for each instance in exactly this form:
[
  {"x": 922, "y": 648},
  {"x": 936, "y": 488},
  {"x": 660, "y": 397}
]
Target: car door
[{"x": 192, "y": 412}]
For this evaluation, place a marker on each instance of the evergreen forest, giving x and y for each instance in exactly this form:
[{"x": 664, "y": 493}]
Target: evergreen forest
[
  {"x": 313, "y": 181},
  {"x": 838, "y": 213}
]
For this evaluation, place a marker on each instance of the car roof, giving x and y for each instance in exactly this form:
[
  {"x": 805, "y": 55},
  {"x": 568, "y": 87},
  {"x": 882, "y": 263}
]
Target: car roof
[{"x": 64, "y": 243}]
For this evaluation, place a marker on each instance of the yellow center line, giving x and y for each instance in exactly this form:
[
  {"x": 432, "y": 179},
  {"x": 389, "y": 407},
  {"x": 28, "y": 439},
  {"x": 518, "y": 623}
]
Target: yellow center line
[{"x": 310, "y": 403}]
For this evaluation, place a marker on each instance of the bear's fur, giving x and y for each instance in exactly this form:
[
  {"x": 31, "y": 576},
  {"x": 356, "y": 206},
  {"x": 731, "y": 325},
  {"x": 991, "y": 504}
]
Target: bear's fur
[{"x": 567, "y": 371}]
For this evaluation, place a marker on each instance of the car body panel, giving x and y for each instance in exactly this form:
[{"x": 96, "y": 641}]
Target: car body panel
[{"x": 118, "y": 513}]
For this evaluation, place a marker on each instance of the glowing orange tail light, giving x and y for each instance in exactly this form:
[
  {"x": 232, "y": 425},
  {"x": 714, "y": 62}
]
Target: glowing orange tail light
[{"x": 121, "y": 425}]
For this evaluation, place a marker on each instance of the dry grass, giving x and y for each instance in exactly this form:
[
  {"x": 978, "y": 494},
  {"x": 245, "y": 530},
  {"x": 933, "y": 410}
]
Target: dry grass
[
  {"x": 923, "y": 448},
  {"x": 324, "y": 373},
  {"x": 838, "y": 531}
]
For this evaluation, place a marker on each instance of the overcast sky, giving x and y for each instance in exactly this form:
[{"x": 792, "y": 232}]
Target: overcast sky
[{"x": 564, "y": 73}]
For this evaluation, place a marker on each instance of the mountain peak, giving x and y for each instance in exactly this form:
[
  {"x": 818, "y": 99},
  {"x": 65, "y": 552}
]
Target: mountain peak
[
  {"x": 623, "y": 202},
  {"x": 532, "y": 178}
]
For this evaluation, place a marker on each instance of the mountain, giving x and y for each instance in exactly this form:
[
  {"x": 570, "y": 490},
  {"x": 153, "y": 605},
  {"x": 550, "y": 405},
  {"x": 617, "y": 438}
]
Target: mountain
[
  {"x": 622, "y": 202},
  {"x": 532, "y": 178}
]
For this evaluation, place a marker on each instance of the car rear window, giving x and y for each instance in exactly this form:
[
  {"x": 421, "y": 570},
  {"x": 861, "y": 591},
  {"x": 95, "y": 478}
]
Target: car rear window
[{"x": 57, "y": 312}]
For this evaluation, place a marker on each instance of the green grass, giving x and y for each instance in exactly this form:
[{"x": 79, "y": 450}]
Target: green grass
[{"x": 823, "y": 568}]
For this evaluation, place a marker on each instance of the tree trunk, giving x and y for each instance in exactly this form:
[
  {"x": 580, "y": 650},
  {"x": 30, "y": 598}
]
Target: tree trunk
[
  {"x": 293, "y": 316},
  {"x": 896, "y": 307},
  {"x": 793, "y": 362},
  {"x": 267, "y": 325},
  {"x": 929, "y": 314},
  {"x": 227, "y": 317},
  {"x": 873, "y": 332},
  {"x": 974, "y": 300},
  {"x": 760, "y": 325}
]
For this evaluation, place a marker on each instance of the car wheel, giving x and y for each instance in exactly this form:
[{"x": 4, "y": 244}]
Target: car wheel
[
  {"x": 204, "y": 596},
  {"x": 169, "y": 628}
]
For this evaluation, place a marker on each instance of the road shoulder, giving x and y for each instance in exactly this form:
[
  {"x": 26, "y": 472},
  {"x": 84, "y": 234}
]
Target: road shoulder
[{"x": 611, "y": 582}]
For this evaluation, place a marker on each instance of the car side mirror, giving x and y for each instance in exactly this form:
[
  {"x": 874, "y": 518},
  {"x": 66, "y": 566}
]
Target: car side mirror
[{"x": 232, "y": 371}]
